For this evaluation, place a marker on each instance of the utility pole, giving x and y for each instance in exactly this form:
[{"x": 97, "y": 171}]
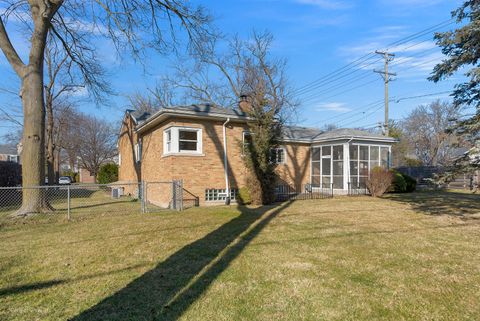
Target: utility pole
[{"x": 386, "y": 77}]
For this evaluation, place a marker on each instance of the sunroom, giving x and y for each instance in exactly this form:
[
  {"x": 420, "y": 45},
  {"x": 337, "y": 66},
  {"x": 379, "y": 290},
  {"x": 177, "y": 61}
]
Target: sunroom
[{"x": 344, "y": 163}]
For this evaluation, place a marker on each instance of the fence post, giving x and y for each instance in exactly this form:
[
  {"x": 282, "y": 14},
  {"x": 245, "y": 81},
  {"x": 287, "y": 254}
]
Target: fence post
[
  {"x": 180, "y": 190},
  {"x": 68, "y": 202},
  {"x": 174, "y": 194},
  {"x": 331, "y": 189},
  {"x": 142, "y": 195}
]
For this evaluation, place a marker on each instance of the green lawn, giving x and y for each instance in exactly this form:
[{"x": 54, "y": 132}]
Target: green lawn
[{"x": 404, "y": 257}]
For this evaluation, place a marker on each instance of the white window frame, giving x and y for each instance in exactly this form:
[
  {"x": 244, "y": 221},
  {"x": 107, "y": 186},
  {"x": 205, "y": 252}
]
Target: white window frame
[
  {"x": 12, "y": 158},
  {"x": 369, "y": 158},
  {"x": 245, "y": 133},
  {"x": 330, "y": 157},
  {"x": 284, "y": 151},
  {"x": 138, "y": 151},
  {"x": 167, "y": 141},
  {"x": 175, "y": 141}
]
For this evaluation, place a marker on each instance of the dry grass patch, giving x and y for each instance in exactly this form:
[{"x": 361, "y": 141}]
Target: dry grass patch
[{"x": 404, "y": 257}]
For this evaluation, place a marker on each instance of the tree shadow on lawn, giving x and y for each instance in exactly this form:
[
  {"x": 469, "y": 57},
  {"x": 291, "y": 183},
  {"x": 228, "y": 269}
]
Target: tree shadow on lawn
[
  {"x": 166, "y": 292},
  {"x": 47, "y": 284},
  {"x": 441, "y": 203}
]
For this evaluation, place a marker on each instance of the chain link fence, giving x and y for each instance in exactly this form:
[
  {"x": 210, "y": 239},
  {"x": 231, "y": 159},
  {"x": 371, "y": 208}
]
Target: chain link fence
[{"x": 44, "y": 204}]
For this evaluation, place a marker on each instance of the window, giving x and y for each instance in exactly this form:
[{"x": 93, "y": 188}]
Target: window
[
  {"x": 246, "y": 141},
  {"x": 138, "y": 152},
  {"x": 277, "y": 156},
  {"x": 187, "y": 140},
  {"x": 215, "y": 194},
  {"x": 327, "y": 166},
  {"x": 182, "y": 140},
  {"x": 363, "y": 158},
  {"x": 12, "y": 158},
  {"x": 168, "y": 141}
]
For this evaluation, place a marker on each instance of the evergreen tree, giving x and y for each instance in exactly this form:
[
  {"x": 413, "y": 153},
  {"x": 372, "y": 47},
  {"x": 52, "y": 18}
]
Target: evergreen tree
[{"x": 462, "y": 48}]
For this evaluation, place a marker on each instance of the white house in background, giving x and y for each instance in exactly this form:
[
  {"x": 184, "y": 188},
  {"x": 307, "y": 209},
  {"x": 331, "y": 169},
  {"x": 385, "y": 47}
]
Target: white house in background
[{"x": 9, "y": 153}]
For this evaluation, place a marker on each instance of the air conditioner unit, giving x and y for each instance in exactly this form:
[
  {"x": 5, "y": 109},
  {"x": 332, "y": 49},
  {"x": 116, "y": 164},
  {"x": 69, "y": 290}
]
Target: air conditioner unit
[{"x": 117, "y": 192}]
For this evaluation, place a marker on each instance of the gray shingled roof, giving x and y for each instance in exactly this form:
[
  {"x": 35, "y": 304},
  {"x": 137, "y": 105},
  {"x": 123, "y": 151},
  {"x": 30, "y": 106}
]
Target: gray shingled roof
[
  {"x": 295, "y": 133},
  {"x": 199, "y": 109},
  {"x": 347, "y": 132},
  {"x": 209, "y": 109},
  {"x": 139, "y": 116},
  {"x": 8, "y": 149},
  {"x": 300, "y": 133}
]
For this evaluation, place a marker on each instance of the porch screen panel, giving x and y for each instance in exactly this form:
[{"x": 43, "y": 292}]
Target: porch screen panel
[
  {"x": 326, "y": 166},
  {"x": 337, "y": 163},
  {"x": 363, "y": 165},
  {"x": 384, "y": 157},
  {"x": 374, "y": 157},
  {"x": 354, "y": 165},
  {"x": 316, "y": 157}
]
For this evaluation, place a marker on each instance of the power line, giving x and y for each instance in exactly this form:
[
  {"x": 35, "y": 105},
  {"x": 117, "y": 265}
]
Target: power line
[
  {"x": 363, "y": 113},
  {"x": 421, "y": 96},
  {"x": 366, "y": 116},
  {"x": 334, "y": 79},
  {"x": 331, "y": 89},
  {"x": 375, "y": 103},
  {"x": 353, "y": 64}
]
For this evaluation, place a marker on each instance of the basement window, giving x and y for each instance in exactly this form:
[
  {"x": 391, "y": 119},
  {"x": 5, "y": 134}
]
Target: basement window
[
  {"x": 182, "y": 140},
  {"x": 215, "y": 194}
]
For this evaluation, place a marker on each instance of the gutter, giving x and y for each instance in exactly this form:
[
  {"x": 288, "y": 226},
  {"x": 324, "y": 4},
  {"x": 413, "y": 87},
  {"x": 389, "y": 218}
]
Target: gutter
[{"x": 225, "y": 162}]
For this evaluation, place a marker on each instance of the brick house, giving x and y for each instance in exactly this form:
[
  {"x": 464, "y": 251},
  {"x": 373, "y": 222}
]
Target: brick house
[{"x": 191, "y": 142}]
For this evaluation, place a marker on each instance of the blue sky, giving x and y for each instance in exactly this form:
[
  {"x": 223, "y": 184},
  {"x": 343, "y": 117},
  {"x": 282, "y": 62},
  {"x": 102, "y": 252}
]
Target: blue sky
[{"x": 316, "y": 37}]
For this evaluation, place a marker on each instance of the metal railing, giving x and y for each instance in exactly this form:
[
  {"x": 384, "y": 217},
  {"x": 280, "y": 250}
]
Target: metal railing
[
  {"x": 305, "y": 192},
  {"x": 357, "y": 189}
]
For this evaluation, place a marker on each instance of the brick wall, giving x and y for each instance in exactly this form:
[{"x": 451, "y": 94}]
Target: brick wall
[
  {"x": 128, "y": 170},
  {"x": 86, "y": 177},
  {"x": 200, "y": 172}
]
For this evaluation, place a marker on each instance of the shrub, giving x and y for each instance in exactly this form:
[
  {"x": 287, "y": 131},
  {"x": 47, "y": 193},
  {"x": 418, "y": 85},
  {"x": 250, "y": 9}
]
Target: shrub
[
  {"x": 244, "y": 196},
  {"x": 411, "y": 183},
  {"x": 10, "y": 174},
  {"x": 108, "y": 173},
  {"x": 379, "y": 181},
  {"x": 399, "y": 185}
]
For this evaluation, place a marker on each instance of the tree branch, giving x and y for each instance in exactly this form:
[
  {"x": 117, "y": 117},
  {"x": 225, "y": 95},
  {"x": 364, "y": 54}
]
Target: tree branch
[{"x": 10, "y": 52}]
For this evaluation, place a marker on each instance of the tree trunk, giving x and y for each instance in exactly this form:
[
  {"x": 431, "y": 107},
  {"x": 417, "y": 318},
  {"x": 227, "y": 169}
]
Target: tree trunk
[
  {"x": 33, "y": 154},
  {"x": 50, "y": 142},
  {"x": 56, "y": 163}
]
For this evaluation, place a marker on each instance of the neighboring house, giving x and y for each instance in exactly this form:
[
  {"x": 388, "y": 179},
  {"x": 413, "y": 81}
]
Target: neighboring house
[
  {"x": 84, "y": 176},
  {"x": 189, "y": 143},
  {"x": 9, "y": 153}
]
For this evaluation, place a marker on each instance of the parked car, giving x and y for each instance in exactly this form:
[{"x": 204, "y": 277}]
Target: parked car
[{"x": 64, "y": 180}]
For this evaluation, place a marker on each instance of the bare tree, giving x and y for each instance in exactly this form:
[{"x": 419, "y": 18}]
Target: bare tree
[
  {"x": 133, "y": 25},
  {"x": 97, "y": 144},
  {"x": 426, "y": 130},
  {"x": 62, "y": 81},
  {"x": 250, "y": 72},
  {"x": 143, "y": 102}
]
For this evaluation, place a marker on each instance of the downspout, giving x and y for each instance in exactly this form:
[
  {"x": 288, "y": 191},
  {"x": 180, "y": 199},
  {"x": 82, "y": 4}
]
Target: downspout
[{"x": 225, "y": 162}]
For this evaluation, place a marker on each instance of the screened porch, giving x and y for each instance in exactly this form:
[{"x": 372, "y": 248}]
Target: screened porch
[{"x": 346, "y": 165}]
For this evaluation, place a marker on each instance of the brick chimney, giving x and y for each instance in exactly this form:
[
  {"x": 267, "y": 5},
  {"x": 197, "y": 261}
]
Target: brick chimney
[{"x": 245, "y": 105}]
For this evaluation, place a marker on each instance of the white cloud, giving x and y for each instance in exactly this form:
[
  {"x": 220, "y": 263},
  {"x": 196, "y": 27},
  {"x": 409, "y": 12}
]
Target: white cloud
[
  {"x": 334, "y": 106},
  {"x": 326, "y": 4}
]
